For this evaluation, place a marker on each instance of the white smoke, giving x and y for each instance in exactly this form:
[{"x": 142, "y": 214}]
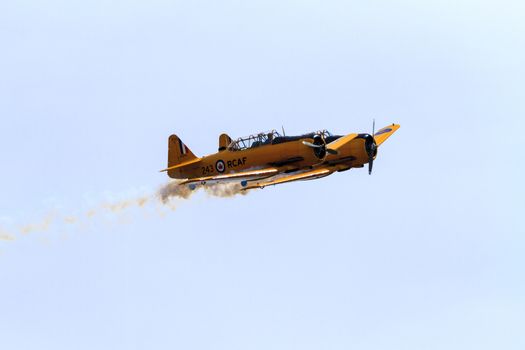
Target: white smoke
[
  {"x": 225, "y": 190},
  {"x": 173, "y": 189},
  {"x": 6, "y": 236},
  {"x": 165, "y": 196}
]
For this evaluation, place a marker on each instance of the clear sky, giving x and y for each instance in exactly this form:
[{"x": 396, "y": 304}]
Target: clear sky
[{"x": 427, "y": 253}]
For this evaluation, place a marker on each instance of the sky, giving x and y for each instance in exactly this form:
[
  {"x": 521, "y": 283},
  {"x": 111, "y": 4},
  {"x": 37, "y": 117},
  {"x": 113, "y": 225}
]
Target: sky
[{"x": 427, "y": 253}]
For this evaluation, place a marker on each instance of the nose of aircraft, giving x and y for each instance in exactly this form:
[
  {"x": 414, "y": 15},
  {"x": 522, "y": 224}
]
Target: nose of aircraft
[{"x": 371, "y": 151}]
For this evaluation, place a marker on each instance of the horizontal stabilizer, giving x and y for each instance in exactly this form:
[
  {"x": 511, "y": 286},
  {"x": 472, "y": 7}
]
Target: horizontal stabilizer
[{"x": 193, "y": 161}]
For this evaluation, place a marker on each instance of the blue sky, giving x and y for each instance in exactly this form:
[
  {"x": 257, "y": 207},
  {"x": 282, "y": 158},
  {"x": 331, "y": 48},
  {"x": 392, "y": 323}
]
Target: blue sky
[{"x": 425, "y": 254}]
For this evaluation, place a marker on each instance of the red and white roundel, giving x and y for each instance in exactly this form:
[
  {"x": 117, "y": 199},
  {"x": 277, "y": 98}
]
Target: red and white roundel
[{"x": 220, "y": 166}]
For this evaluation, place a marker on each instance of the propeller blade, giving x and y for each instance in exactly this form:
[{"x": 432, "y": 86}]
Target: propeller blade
[
  {"x": 332, "y": 151},
  {"x": 309, "y": 144},
  {"x": 371, "y": 154}
]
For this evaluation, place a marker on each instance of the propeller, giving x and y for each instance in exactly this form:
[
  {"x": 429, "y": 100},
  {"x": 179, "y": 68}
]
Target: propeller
[
  {"x": 319, "y": 145},
  {"x": 328, "y": 150},
  {"x": 371, "y": 149}
]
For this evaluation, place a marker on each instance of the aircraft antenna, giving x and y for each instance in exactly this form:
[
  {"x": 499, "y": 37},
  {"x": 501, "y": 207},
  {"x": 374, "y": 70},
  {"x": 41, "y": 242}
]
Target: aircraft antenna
[{"x": 282, "y": 127}]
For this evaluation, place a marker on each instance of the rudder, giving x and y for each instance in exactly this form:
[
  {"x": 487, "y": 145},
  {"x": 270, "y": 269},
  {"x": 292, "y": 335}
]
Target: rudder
[{"x": 178, "y": 152}]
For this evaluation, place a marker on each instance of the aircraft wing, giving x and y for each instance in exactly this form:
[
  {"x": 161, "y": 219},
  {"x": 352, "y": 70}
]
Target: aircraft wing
[
  {"x": 385, "y": 133},
  {"x": 260, "y": 173},
  {"x": 309, "y": 175},
  {"x": 340, "y": 142}
]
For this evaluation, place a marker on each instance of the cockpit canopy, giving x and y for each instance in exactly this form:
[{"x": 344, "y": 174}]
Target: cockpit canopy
[
  {"x": 252, "y": 141},
  {"x": 271, "y": 138}
]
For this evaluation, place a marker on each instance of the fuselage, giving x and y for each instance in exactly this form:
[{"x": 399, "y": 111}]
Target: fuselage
[{"x": 288, "y": 154}]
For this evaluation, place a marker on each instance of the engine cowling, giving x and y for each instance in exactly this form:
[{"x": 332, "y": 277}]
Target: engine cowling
[
  {"x": 320, "y": 150},
  {"x": 371, "y": 151}
]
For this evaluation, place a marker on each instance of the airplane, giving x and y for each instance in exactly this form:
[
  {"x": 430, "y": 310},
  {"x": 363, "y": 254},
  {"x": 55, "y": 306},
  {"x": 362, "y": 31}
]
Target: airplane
[{"x": 269, "y": 158}]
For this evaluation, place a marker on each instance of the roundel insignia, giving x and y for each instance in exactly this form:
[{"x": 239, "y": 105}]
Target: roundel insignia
[
  {"x": 220, "y": 166},
  {"x": 384, "y": 131}
]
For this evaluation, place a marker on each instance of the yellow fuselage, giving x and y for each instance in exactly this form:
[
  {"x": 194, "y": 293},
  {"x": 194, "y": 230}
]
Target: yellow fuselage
[{"x": 292, "y": 155}]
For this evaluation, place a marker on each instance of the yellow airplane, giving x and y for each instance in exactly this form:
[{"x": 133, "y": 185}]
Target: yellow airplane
[{"x": 266, "y": 159}]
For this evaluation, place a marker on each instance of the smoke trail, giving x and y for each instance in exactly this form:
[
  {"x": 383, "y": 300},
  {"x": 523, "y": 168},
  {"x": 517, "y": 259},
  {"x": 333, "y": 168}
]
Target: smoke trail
[
  {"x": 225, "y": 190},
  {"x": 173, "y": 189},
  {"x": 42, "y": 226},
  {"x": 70, "y": 219},
  {"x": 163, "y": 196},
  {"x": 125, "y": 204},
  {"x": 6, "y": 236}
]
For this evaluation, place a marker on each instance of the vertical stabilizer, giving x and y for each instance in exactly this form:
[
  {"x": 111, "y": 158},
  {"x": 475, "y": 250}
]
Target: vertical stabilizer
[{"x": 178, "y": 152}]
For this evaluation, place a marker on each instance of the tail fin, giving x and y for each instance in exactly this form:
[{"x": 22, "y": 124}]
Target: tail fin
[
  {"x": 224, "y": 142},
  {"x": 178, "y": 152}
]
